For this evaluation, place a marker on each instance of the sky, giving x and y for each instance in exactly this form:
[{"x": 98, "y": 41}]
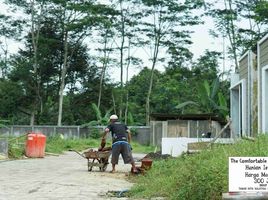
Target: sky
[{"x": 201, "y": 41}]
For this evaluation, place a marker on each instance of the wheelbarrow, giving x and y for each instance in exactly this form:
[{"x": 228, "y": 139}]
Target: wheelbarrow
[{"x": 97, "y": 158}]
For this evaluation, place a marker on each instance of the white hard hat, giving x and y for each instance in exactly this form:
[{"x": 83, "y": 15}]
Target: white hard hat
[{"x": 113, "y": 117}]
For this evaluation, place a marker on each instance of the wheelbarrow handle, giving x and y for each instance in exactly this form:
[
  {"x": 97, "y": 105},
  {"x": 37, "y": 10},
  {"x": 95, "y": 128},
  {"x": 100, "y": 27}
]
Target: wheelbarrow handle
[{"x": 78, "y": 153}]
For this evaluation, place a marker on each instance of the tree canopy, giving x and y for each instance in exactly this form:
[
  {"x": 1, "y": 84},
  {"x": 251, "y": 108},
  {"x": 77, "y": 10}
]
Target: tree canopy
[{"x": 70, "y": 47}]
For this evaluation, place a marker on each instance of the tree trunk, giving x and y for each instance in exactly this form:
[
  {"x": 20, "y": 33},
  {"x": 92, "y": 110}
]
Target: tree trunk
[
  {"x": 35, "y": 30},
  {"x": 147, "y": 108},
  {"x": 114, "y": 105},
  {"x": 104, "y": 66},
  {"x": 121, "y": 60},
  {"x": 155, "y": 55},
  {"x": 32, "y": 118},
  {"x": 100, "y": 86},
  {"x": 128, "y": 64},
  {"x": 4, "y": 68},
  {"x": 63, "y": 74},
  {"x": 232, "y": 35}
]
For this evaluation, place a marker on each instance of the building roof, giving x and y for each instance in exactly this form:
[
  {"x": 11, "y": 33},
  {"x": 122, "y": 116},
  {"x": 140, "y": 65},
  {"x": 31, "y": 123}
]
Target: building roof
[{"x": 166, "y": 116}]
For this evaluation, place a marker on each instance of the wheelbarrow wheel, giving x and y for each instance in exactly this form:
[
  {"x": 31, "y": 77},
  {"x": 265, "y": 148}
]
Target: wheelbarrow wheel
[
  {"x": 103, "y": 169},
  {"x": 104, "y": 163},
  {"x": 90, "y": 165}
]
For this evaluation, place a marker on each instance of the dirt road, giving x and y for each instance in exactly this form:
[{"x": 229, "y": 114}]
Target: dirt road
[{"x": 59, "y": 178}]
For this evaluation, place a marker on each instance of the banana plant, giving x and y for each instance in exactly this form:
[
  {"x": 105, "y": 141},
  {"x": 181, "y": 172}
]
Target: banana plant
[
  {"x": 3, "y": 123},
  {"x": 100, "y": 120},
  {"x": 210, "y": 99}
]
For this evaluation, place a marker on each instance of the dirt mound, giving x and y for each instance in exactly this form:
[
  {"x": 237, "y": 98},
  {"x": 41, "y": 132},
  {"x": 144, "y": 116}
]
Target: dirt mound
[{"x": 157, "y": 156}]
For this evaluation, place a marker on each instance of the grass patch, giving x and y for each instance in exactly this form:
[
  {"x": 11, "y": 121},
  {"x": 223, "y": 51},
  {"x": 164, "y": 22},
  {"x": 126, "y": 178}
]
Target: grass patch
[
  {"x": 58, "y": 145},
  {"x": 199, "y": 176},
  {"x": 16, "y": 147},
  {"x": 138, "y": 148}
]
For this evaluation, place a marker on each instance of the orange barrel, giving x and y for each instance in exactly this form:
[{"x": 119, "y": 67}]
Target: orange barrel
[
  {"x": 35, "y": 145},
  {"x": 41, "y": 144}
]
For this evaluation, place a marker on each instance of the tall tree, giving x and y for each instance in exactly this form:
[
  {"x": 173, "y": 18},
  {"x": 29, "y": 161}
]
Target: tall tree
[
  {"x": 255, "y": 14},
  {"x": 126, "y": 22},
  {"x": 76, "y": 20},
  {"x": 51, "y": 45},
  {"x": 37, "y": 14},
  {"x": 164, "y": 24},
  {"x": 106, "y": 39},
  {"x": 10, "y": 29},
  {"x": 36, "y": 9},
  {"x": 137, "y": 87},
  {"x": 206, "y": 66},
  {"x": 11, "y": 95},
  {"x": 131, "y": 61},
  {"x": 226, "y": 19}
]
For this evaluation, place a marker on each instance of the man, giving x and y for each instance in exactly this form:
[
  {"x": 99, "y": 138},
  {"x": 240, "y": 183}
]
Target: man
[{"x": 121, "y": 137}]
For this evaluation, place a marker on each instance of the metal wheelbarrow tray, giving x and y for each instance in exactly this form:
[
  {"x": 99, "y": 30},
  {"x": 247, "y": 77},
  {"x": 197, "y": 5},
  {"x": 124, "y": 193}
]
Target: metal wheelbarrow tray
[{"x": 97, "y": 158}]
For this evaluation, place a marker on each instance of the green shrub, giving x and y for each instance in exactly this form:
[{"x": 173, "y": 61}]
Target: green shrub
[
  {"x": 137, "y": 148},
  {"x": 133, "y": 131},
  {"x": 16, "y": 147},
  {"x": 95, "y": 133},
  {"x": 199, "y": 176},
  {"x": 55, "y": 144},
  {"x": 15, "y": 151}
]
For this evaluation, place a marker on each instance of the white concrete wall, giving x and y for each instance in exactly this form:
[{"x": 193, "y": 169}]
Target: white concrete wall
[{"x": 176, "y": 146}]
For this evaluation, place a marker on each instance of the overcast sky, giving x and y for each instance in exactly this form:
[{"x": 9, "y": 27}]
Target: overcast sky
[{"x": 201, "y": 41}]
